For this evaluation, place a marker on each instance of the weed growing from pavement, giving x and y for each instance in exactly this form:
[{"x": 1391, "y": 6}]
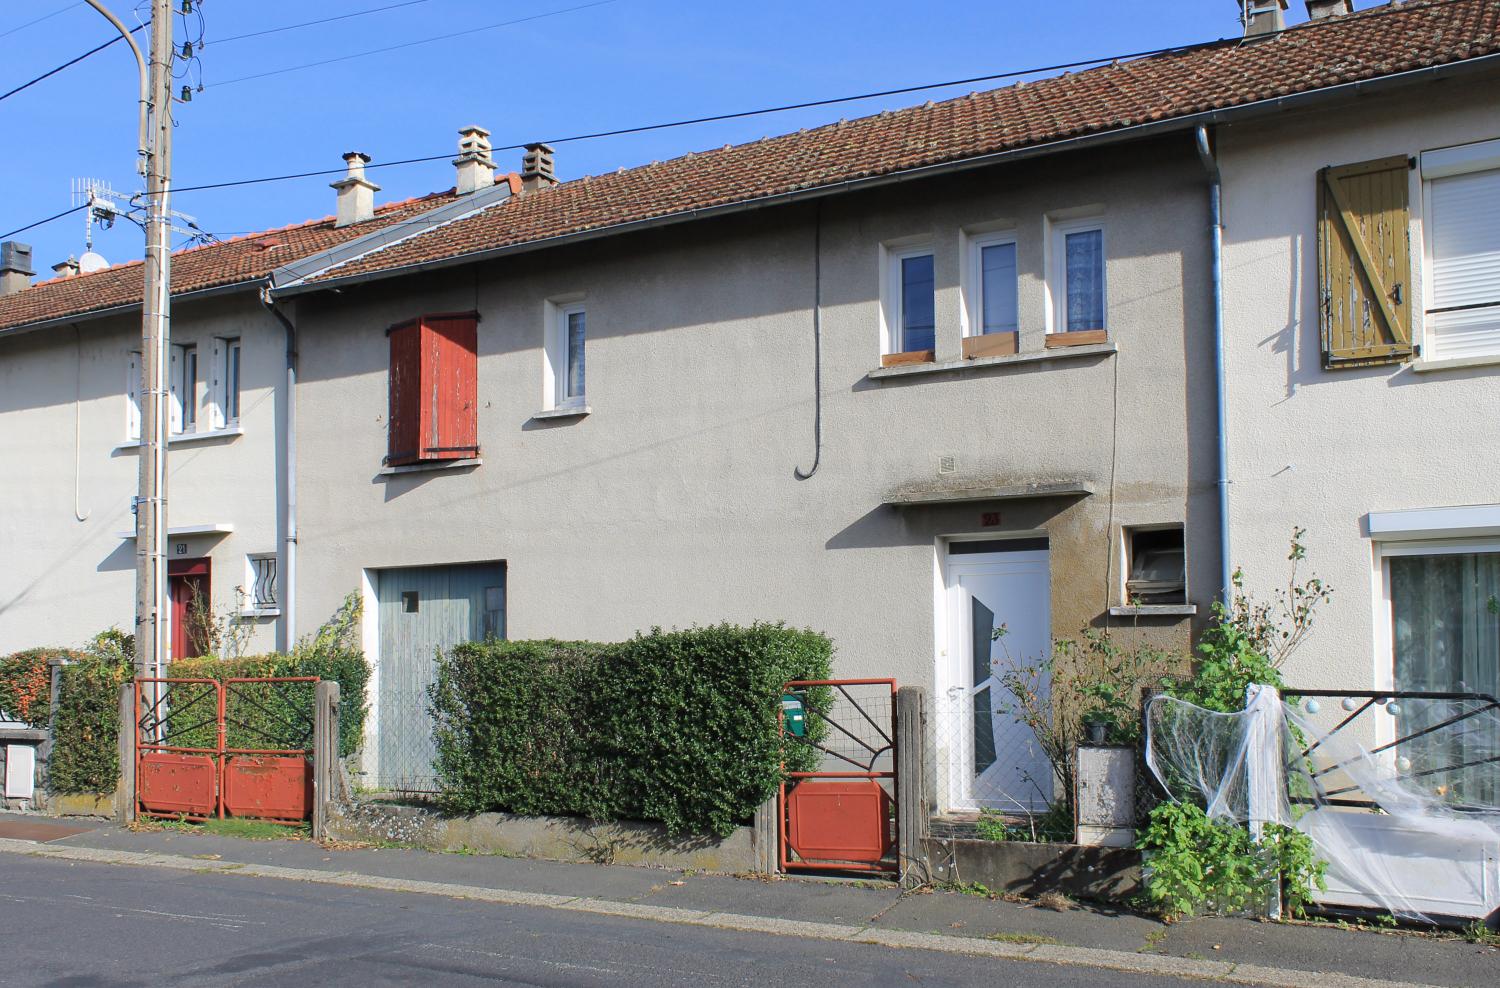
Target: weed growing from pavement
[
  {"x": 240, "y": 827},
  {"x": 1024, "y": 938},
  {"x": 1477, "y": 932}
]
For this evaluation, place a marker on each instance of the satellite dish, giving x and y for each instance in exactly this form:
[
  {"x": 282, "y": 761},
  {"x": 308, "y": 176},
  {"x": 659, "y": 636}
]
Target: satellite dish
[{"x": 91, "y": 262}]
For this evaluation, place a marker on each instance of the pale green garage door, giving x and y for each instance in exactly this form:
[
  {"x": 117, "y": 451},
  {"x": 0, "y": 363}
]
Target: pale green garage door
[{"x": 424, "y": 610}]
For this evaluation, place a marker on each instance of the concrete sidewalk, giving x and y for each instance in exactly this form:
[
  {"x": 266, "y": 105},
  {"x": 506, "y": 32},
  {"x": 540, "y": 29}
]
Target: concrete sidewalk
[{"x": 1236, "y": 950}]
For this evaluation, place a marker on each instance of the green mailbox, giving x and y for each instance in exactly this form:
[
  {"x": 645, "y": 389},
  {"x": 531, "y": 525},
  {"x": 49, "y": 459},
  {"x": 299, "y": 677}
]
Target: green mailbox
[{"x": 793, "y": 715}]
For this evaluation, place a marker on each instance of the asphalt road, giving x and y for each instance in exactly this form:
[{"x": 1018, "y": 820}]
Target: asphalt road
[{"x": 66, "y": 923}]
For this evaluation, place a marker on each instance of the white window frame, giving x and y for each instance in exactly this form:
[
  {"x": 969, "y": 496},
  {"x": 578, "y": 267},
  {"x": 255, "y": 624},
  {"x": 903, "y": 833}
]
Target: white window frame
[
  {"x": 891, "y": 302},
  {"x": 974, "y": 245},
  {"x": 253, "y": 606},
  {"x": 133, "y": 398},
  {"x": 555, "y": 395},
  {"x": 1432, "y": 165},
  {"x": 1057, "y": 267},
  {"x": 218, "y": 389}
]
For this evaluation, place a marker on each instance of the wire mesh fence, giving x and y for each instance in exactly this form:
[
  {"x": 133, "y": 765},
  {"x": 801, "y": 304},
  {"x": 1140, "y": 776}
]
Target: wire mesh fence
[
  {"x": 404, "y": 749},
  {"x": 987, "y": 761},
  {"x": 841, "y": 728}
]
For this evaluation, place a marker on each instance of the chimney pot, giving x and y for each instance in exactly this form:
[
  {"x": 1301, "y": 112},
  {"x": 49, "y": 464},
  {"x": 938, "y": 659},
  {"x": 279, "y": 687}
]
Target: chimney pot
[
  {"x": 66, "y": 269},
  {"x": 356, "y": 202},
  {"x": 476, "y": 169},
  {"x": 1262, "y": 16},
  {"x": 1319, "y": 9},
  {"x": 537, "y": 170},
  {"x": 15, "y": 267}
]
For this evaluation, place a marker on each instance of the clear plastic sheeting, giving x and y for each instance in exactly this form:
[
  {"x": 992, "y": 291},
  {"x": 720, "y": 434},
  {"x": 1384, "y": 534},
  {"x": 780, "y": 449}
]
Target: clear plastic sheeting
[{"x": 1399, "y": 793}]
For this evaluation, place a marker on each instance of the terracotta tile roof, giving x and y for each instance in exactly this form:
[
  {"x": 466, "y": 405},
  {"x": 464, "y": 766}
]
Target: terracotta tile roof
[
  {"x": 1365, "y": 45},
  {"x": 242, "y": 259}
]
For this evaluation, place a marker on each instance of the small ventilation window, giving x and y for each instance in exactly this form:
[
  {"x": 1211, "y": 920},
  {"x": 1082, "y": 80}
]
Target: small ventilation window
[
  {"x": 409, "y": 601},
  {"x": 1156, "y": 566}
]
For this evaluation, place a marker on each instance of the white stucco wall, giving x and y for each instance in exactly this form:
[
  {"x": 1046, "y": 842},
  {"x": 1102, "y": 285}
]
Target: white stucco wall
[
  {"x": 675, "y": 503},
  {"x": 63, "y": 421},
  {"x": 1321, "y": 449}
]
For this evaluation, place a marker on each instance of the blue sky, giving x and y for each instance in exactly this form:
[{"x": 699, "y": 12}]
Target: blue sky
[{"x": 623, "y": 63}]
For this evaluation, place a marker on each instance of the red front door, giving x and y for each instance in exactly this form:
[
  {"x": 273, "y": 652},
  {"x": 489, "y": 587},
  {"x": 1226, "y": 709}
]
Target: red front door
[{"x": 188, "y": 586}]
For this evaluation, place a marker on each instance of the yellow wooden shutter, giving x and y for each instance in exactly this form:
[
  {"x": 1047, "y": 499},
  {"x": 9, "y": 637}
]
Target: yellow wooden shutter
[{"x": 1364, "y": 262}]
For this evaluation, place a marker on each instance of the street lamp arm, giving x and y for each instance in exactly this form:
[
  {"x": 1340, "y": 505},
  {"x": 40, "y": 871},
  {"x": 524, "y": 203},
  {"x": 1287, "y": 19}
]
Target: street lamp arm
[{"x": 143, "y": 145}]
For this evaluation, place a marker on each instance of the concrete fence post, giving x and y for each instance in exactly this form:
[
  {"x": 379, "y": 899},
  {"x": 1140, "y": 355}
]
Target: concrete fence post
[
  {"x": 912, "y": 816},
  {"x": 125, "y": 788},
  {"x": 325, "y": 754},
  {"x": 768, "y": 836}
]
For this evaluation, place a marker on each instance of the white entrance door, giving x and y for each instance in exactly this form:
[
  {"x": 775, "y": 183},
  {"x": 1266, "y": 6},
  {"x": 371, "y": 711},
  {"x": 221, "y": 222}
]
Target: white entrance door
[{"x": 994, "y": 761}]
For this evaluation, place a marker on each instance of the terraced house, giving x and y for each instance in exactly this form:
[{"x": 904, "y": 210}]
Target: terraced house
[{"x": 905, "y": 378}]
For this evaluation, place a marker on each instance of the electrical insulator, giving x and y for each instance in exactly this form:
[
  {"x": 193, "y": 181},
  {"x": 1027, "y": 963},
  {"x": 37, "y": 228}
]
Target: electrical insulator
[
  {"x": 187, "y": 49},
  {"x": 187, "y": 94}
]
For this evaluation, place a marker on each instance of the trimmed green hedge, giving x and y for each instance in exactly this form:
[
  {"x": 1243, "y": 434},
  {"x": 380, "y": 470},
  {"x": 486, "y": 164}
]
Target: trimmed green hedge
[
  {"x": 85, "y": 756},
  {"x": 272, "y": 715},
  {"x": 677, "y": 726}
]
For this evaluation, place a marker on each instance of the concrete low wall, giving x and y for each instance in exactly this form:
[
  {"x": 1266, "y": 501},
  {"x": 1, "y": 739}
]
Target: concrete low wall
[
  {"x": 82, "y": 804},
  {"x": 552, "y": 838},
  {"x": 1100, "y": 873}
]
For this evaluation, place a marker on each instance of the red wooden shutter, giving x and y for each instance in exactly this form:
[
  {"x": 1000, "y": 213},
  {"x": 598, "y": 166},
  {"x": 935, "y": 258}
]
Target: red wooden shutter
[
  {"x": 450, "y": 385},
  {"x": 404, "y": 431}
]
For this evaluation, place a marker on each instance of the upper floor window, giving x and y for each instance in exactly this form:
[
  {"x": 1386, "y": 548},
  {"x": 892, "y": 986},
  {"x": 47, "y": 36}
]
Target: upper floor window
[
  {"x": 565, "y": 344},
  {"x": 133, "y": 398},
  {"x": 226, "y": 382},
  {"x": 1077, "y": 284},
  {"x": 434, "y": 389},
  {"x": 184, "y": 388},
  {"x": 910, "y": 305},
  {"x": 993, "y": 314},
  {"x": 1462, "y": 233}
]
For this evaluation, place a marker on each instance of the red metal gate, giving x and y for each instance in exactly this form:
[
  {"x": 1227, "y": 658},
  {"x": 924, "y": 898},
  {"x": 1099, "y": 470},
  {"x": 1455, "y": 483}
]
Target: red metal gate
[
  {"x": 237, "y": 747},
  {"x": 839, "y": 760}
]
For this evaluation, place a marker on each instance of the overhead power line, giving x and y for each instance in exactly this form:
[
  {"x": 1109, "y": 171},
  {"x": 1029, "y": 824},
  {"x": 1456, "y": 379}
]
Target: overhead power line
[
  {"x": 54, "y": 216},
  {"x": 60, "y": 10},
  {"x": 321, "y": 20},
  {"x": 49, "y": 74},
  {"x": 413, "y": 44}
]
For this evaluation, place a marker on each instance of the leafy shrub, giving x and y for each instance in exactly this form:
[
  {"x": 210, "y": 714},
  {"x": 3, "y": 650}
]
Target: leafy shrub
[
  {"x": 85, "y": 757},
  {"x": 1194, "y": 863},
  {"x": 26, "y": 684},
  {"x": 680, "y": 726}
]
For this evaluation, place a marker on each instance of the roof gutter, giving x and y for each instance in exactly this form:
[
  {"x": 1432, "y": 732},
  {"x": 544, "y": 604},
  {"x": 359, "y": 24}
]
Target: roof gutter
[
  {"x": 1279, "y": 104},
  {"x": 116, "y": 310}
]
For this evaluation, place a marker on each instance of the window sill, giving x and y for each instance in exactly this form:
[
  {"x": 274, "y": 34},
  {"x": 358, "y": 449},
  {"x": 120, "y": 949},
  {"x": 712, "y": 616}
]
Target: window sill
[
  {"x": 430, "y": 466},
  {"x": 260, "y": 612},
  {"x": 907, "y": 358},
  {"x": 576, "y": 412},
  {"x": 188, "y": 438},
  {"x": 1031, "y": 356},
  {"x": 1155, "y": 610},
  {"x": 1424, "y": 366}
]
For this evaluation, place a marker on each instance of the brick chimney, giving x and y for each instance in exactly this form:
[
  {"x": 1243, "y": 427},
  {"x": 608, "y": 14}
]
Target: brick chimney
[
  {"x": 356, "y": 193},
  {"x": 476, "y": 169},
  {"x": 1319, "y": 9},
  {"x": 537, "y": 171},
  {"x": 66, "y": 269},
  {"x": 15, "y": 267},
  {"x": 1262, "y": 16}
]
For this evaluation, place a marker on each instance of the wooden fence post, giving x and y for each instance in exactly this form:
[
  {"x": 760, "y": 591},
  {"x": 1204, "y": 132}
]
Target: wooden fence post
[
  {"x": 912, "y": 816},
  {"x": 768, "y": 836},
  {"x": 325, "y": 754},
  {"x": 125, "y": 788}
]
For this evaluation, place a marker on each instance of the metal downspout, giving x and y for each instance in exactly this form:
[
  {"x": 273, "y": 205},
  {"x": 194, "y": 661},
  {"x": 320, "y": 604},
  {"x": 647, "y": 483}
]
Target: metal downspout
[
  {"x": 1216, "y": 218},
  {"x": 289, "y": 552}
]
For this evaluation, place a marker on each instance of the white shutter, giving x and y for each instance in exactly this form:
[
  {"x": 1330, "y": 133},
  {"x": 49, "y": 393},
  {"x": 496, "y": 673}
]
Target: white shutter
[
  {"x": 133, "y": 399},
  {"x": 175, "y": 376},
  {"x": 1463, "y": 230},
  {"x": 216, "y": 386}
]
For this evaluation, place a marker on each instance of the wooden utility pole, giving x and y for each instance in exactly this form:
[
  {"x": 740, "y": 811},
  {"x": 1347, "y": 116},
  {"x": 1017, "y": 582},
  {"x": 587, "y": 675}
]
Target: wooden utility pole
[{"x": 152, "y": 620}]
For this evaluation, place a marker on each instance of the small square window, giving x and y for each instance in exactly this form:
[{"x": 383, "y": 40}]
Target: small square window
[
  {"x": 1155, "y": 566},
  {"x": 409, "y": 601},
  {"x": 261, "y": 595}
]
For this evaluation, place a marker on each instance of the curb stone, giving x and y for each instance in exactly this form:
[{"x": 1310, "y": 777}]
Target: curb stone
[{"x": 1094, "y": 957}]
